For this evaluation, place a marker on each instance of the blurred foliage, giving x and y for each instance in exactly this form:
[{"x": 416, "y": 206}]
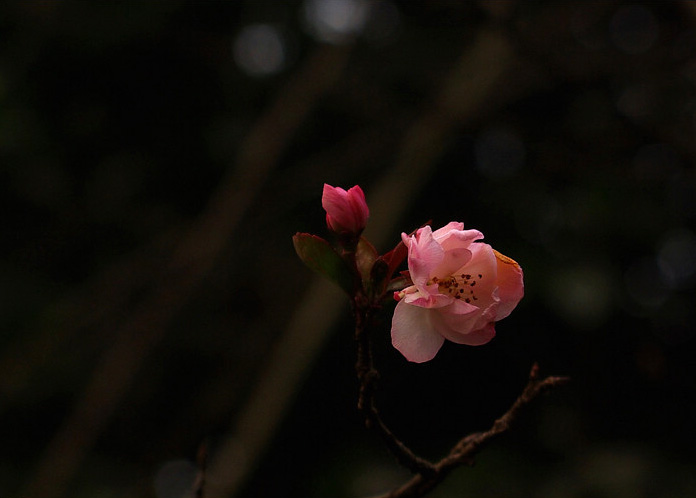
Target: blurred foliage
[{"x": 120, "y": 123}]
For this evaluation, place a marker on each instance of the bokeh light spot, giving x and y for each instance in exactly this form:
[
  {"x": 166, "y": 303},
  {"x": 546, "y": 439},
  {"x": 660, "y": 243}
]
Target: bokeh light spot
[
  {"x": 677, "y": 259},
  {"x": 259, "y": 50},
  {"x": 582, "y": 295},
  {"x": 335, "y": 21}
]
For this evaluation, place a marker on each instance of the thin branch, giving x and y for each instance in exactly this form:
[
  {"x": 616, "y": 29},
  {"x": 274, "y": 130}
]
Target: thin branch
[
  {"x": 403, "y": 453},
  {"x": 460, "y": 98},
  {"x": 368, "y": 376},
  {"x": 476, "y": 81},
  {"x": 464, "y": 451},
  {"x": 428, "y": 474}
]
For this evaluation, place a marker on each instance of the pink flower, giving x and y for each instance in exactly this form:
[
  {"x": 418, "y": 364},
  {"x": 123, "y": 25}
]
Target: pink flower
[
  {"x": 346, "y": 211},
  {"x": 461, "y": 287}
]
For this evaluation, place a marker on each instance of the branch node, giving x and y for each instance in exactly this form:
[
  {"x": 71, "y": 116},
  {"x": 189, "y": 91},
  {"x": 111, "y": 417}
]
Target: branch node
[{"x": 430, "y": 475}]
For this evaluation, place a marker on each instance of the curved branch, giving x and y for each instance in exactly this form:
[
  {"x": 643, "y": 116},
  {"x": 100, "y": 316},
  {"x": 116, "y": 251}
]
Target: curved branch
[{"x": 464, "y": 451}]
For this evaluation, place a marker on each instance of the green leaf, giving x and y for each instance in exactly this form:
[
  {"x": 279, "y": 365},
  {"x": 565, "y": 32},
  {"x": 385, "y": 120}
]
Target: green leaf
[{"x": 319, "y": 256}]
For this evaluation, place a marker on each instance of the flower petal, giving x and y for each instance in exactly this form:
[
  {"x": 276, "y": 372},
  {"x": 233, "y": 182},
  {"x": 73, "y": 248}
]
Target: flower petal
[
  {"x": 412, "y": 333},
  {"x": 459, "y": 307},
  {"x": 473, "y": 337},
  {"x": 510, "y": 284},
  {"x": 456, "y": 320},
  {"x": 432, "y": 300},
  {"x": 447, "y": 229},
  {"x": 458, "y": 239},
  {"x": 451, "y": 262},
  {"x": 480, "y": 336},
  {"x": 334, "y": 201},
  {"x": 346, "y": 211},
  {"x": 482, "y": 263},
  {"x": 356, "y": 199},
  {"x": 487, "y": 315},
  {"x": 424, "y": 256},
  {"x": 475, "y": 287}
]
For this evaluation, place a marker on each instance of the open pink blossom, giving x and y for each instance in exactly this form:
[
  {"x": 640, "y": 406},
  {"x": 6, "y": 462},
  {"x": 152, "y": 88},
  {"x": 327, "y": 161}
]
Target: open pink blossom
[
  {"x": 461, "y": 287},
  {"x": 346, "y": 211}
]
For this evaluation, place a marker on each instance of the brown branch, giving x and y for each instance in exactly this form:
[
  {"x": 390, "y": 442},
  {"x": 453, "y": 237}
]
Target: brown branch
[
  {"x": 405, "y": 456},
  {"x": 460, "y": 99},
  {"x": 427, "y": 474},
  {"x": 464, "y": 451},
  {"x": 478, "y": 83},
  {"x": 368, "y": 376}
]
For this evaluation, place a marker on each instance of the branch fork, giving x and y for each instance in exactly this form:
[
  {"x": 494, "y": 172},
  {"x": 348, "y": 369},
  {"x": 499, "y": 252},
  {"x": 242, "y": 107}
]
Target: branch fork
[{"x": 426, "y": 474}]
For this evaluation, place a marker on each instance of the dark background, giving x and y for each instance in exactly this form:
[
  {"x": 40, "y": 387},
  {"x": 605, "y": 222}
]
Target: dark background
[{"x": 158, "y": 156}]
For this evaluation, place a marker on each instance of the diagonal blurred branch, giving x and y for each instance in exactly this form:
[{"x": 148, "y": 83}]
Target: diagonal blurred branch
[
  {"x": 476, "y": 82},
  {"x": 471, "y": 85},
  {"x": 98, "y": 302},
  {"x": 192, "y": 259}
]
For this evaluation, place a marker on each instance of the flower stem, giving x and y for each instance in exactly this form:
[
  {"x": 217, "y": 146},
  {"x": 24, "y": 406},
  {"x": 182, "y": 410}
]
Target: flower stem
[
  {"x": 368, "y": 376},
  {"x": 427, "y": 475},
  {"x": 464, "y": 451}
]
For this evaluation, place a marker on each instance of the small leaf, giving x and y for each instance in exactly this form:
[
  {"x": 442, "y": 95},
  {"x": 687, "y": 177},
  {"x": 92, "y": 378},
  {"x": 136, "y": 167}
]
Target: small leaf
[
  {"x": 365, "y": 256},
  {"x": 395, "y": 257},
  {"x": 319, "y": 256}
]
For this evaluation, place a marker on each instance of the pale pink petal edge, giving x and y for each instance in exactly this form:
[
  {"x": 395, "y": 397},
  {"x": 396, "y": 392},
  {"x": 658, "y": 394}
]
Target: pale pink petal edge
[
  {"x": 510, "y": 284},
  {"x": 413, "y": 335}
]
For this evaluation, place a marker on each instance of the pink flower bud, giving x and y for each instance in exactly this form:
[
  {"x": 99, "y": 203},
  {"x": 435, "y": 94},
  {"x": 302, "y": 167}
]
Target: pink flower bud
[
  {"x": 346, "y": 211},
  {"x": 461, "y": 287}
]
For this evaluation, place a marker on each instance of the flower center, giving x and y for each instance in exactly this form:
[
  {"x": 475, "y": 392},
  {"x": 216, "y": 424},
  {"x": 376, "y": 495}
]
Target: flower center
[{"x": 462, "y": 286}]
